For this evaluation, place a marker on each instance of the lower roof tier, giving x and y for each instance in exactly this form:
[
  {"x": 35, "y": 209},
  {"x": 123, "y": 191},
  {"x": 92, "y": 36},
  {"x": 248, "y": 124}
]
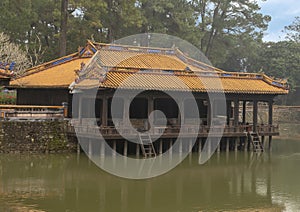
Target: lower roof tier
[{"x": 259, "y": 84}]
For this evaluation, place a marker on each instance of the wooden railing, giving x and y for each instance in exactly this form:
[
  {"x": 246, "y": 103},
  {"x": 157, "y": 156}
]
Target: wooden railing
[
  {"x": 32, "y": 112},
  {"x": 171, "y": 131}
]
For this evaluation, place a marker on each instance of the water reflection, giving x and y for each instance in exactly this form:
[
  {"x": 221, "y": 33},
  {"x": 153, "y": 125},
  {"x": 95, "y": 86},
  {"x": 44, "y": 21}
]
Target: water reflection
[{"x": 228, "y": 182}]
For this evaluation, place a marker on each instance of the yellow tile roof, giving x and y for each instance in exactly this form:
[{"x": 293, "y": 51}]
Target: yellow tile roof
[
  {"x": 184, "y": 82},
  {"x": 140, "y": 60},
  {"x": 162, "y": 69},
  {"x": 122, "y": 56},
  {"x": 5, "y": 74},
  {"x": 60, "y": 75}
]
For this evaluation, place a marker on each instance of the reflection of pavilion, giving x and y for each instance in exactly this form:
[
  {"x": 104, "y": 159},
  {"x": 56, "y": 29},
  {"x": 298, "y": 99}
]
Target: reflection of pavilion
[
  {"x": 153, "y": 71},
  {"x": 228, "y": 183}
]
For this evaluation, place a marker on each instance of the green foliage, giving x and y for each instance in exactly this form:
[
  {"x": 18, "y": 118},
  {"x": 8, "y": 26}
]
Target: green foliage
[
  {"x": 215, "y": 26},
  {"x": 293, "y": 30},
  {"x": 280, "y": 60},
  {"x": 7, "y": 98},
  {"x": 228, "y": 29}
]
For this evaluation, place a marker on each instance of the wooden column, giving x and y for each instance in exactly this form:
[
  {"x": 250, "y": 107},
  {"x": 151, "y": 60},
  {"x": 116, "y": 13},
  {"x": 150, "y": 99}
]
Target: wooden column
[
  {"x": 104, "y": 112},
  {"x": 80, "y": 108},
  {"x": 255, "y": 112},
  {"x": 209, "y": 112},
  {"x": 181, "y": 112},
  {"x": 270, "y": 112},
  {"x": 244, "y": 112},
  {"x": 150, "y": 109},
  {"x": 137, "y": 150},
  {"x": 90, "y": 149},
  {"x": 228, "y": 108},
  {"x": 236, "y": 112},
  {"x": 270, "y": 121},
  {"x": 150, "y": 105},
  {"x": 126, "y": 111}
]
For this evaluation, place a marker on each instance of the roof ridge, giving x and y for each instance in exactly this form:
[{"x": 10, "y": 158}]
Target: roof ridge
[
  {"x": 188, "y": 59},
  {"x": 128, "y": 46}
]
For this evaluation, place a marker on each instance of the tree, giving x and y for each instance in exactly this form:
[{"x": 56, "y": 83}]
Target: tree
[
  {"x": 228, "y": 26},
  {"x": 293, "y": 30},
  {"x": 279, "y": 60},
  {"x": 172, "y": 17},
  {"x": 12, "y": 53},
  {"x": 63, "y": 27}
]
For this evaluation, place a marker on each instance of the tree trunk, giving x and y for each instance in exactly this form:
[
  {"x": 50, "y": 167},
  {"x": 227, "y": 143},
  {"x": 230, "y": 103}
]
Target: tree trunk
[{"x": 63, "y": 28}]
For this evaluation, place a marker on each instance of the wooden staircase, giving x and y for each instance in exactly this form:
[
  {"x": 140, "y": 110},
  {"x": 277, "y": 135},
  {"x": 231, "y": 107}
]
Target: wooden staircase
[
  {"x": 256, "y": 142},
  {"x": 146, "y": 145}
]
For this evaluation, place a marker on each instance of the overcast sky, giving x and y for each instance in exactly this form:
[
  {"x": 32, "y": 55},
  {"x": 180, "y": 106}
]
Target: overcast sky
[{"x": 283, "y": 12}]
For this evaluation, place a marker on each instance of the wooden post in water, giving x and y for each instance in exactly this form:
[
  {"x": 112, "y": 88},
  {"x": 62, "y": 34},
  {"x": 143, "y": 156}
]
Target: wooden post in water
[
  {"x": 199, "y": 145},
  {"x": 114, "y": 148},
  {"x": 249, "y": 144},
  {"x": 245, "y": 144},
  {"x": 160, "y": 146},
  {"x": 170, "y": 150},
  {"x": 227, "y": 145},
  {"x": 90, "y": 150},
  {"x": 219, "y": 148},
  {"x": 190, "y": 146},
  {"x": 102, "y": 149},
  {"x": 125, "y": 148},
  {"x": 236, "y": 142},
  {"x": 137, "y": 150},
  {"x": 78, "y": 148},
  {"x": 180, "y": 145},
  {"x": 209, "y": 146}
]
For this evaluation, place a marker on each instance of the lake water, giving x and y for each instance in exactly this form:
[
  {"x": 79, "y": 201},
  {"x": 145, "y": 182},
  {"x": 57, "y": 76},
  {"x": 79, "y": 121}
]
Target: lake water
[{"x": 228, "y": 182}]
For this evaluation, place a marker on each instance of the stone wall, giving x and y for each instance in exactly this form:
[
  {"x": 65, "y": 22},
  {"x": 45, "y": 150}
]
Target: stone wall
[{"x": 35, "y": 137}]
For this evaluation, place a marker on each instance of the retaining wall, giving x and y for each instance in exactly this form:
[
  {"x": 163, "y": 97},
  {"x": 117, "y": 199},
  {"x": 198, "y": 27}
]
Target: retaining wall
[{"x": 35, "y": 137}]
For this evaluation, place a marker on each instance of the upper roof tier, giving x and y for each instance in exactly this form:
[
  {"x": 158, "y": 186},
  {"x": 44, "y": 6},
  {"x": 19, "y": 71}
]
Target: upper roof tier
[{"x": 109, "y": 65}]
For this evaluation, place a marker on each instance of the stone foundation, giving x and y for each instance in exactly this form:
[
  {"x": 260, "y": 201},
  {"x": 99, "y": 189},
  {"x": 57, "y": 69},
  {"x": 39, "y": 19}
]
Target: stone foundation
[{"x": 35, "y": 137}]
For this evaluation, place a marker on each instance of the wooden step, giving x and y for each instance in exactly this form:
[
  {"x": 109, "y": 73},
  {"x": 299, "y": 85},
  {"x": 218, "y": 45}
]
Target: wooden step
[
  {"x": 146, "y": 145},
  {"x": 256, "y": 142}
]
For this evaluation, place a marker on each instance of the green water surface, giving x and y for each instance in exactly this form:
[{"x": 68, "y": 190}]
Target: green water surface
[{"x": 228, "y": 182}]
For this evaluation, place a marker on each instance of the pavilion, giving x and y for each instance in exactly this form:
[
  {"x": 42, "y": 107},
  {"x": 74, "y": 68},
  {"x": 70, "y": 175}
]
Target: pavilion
[{"x": 153, "y": 71}]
